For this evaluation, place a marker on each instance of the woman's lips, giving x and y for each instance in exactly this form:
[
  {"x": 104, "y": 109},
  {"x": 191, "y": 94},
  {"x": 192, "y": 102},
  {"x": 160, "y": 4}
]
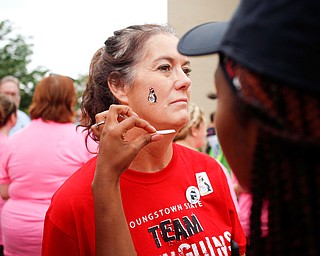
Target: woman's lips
[{"x": 180, "y": 101}]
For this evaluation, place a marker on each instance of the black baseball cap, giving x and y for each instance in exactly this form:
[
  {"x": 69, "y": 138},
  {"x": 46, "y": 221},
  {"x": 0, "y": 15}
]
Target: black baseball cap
[{"x": 279, "y": 39}]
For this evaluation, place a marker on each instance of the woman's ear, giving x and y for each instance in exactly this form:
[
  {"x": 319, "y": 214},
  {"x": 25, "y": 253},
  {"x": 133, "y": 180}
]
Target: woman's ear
[
  {"x": 194, "y": 131},
  {"x": 118, "y": 89},
  {"x": 13, "y": 119}
]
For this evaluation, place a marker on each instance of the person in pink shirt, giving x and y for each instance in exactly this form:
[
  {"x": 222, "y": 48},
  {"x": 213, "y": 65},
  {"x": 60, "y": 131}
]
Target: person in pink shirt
[
  {"x": 38, "y": 159},
  {"x": 8, "y": 119}
]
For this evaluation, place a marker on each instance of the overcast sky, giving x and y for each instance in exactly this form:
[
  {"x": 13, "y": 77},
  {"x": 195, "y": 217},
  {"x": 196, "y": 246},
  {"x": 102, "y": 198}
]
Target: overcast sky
[{"x": 66, "y": 33}]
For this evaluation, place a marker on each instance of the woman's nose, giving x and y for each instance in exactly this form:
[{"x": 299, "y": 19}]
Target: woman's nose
[{"x": 183, "y": 81}]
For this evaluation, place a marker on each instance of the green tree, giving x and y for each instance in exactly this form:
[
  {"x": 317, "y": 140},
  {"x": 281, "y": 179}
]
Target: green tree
[
  {"x": 15, "y": 55},
  {"x": 80, "y": 84}
]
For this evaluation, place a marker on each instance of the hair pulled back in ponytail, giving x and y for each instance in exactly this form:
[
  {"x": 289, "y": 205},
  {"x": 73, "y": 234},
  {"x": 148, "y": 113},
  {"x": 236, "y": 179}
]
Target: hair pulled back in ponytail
[{"x": 116, "y": 61}]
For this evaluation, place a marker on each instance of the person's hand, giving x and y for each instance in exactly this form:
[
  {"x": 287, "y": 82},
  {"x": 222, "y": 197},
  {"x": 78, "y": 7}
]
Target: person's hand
[
  {"x": 115, "y": 152},
  {"x": 114, "y": 157}
]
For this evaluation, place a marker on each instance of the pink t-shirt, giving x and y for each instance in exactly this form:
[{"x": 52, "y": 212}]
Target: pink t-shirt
[
  {"x": 245, "y": 204},
  {"x": 38, "y": 159},
  {"x": 3, "y": 144},
  {"x": 230, "y": 183}
]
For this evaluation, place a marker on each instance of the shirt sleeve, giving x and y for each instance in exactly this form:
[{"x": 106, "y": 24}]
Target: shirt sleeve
[{"x": 56, "y": 242}]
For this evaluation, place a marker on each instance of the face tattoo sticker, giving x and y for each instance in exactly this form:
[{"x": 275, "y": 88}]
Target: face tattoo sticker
[
  {"x": 204, "y": 184},
  {"x": 152, "y": 96},
  {"x": 193, "y": 195}
]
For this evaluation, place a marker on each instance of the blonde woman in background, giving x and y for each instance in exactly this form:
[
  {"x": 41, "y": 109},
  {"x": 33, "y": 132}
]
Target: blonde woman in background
[{"x": 194, "y": 134}]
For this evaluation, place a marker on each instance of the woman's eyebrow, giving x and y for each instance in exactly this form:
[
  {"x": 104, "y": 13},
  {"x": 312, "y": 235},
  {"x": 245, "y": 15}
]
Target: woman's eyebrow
[{"x": 170, "y": 59}]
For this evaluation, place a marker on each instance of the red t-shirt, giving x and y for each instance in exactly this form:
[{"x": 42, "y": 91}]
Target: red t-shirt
[{"x": 184, "y": 209}]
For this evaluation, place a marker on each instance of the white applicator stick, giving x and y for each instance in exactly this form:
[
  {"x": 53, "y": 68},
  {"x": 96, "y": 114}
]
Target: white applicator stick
[{"x": 165, "y": 131}]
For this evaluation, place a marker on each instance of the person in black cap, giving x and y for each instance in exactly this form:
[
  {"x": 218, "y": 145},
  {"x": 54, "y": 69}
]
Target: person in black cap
[{"x": 268, "y": 116}]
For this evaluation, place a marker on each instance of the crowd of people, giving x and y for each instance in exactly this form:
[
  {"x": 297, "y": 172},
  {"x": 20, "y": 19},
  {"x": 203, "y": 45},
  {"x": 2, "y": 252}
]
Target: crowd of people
[
  {"x": 143, "y": 172},
  {"x": 37, "y": 159}
]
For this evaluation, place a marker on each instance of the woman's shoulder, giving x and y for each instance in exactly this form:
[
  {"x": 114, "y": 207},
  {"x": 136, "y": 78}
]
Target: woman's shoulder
[
  {"x": 196, "y": 159},
  {"x": 200, "y": 164},
  {"x": 72, "y": 201},
  {"x": 192, "y": 154},
  {"x": 78, "y": 185}
]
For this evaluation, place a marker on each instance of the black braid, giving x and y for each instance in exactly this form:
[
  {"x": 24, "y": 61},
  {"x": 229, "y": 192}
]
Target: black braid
[{"x": 286, "y": 173}]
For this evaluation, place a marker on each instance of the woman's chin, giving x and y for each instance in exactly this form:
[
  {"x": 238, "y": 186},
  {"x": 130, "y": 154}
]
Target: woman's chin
[{"x": 182, "y": 121}]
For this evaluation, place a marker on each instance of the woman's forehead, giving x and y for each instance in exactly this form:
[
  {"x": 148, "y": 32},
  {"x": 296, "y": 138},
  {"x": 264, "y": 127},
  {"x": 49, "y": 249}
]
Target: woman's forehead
[
  {"x": 162, "y": 43},
  {"x": 163, "y": 46}
]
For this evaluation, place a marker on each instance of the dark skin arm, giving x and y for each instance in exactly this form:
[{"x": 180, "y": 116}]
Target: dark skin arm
[{"x": 114, "y": 157}]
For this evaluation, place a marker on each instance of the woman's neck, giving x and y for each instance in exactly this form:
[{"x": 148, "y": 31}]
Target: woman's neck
[
  {"x": 186, "y": 143},
  {"x": 5, "y": 130},
  {"x": 153, "y": 157}
]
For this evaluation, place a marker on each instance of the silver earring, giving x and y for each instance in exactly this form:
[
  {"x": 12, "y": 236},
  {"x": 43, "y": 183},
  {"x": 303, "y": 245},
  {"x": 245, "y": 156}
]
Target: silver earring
[
  {"x": 152, "y": 96},
  {"x": 236, "y": 83}
]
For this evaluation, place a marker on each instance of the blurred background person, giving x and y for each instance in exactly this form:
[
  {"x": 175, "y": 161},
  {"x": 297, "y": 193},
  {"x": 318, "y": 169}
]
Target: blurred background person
[
  {"x": 38, "y": 159},
  {"x": 213, "y": 147},
  {"x": 194, "y": 134},
  {"x": 8, "y": 119},
  {"x": 10, "y": 86}
]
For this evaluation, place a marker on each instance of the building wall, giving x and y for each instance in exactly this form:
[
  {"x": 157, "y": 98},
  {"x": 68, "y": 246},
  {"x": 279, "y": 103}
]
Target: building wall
[{"x": 185, "y": 14}]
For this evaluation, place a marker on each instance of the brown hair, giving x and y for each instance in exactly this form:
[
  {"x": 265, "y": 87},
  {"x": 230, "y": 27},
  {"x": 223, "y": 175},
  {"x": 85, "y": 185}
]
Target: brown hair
[
  {"x": 115, "y": 61},
  {"x": 54, "y": 99},
  {"x": 7, "y": 108}
]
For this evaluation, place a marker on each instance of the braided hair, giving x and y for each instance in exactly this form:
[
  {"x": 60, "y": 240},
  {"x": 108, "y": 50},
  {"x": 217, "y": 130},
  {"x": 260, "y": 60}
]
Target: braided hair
[{"x": 286, "y": 168}]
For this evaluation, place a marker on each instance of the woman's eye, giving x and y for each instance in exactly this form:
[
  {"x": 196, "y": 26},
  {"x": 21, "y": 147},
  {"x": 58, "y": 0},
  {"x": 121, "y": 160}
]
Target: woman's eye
[
  {"x": 165, "y": 68},
  {"x": 187, "y": 71}
]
